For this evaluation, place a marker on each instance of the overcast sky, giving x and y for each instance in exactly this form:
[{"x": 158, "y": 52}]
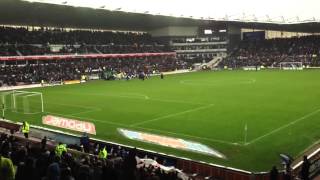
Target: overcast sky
[{"x": 289, "y": 9}]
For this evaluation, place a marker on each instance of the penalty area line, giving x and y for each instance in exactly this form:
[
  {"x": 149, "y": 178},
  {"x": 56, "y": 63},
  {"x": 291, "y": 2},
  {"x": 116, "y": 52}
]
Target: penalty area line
[
  {"x": 171, "y": 115},
  {"x": 191, "y": 136},
  {"x": 284, "y": 126},
  {"x": 84, "y": 112},
  {"x": 135, "y": 96},
  {"x": 149, "y": 129}
]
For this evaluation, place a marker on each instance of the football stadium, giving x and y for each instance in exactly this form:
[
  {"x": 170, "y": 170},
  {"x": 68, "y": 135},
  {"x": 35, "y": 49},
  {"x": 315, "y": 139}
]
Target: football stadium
[{"x": 139, "y": 90}]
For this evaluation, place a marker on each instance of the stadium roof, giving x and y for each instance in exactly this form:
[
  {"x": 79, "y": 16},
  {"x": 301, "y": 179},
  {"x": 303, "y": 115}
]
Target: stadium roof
[
  {"x": 271, "y": 11},
  {"x": 21, "y": 12}
]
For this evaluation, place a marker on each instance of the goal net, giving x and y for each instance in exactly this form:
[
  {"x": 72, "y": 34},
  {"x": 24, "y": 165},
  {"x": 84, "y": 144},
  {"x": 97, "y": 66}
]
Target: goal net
[
  {"x": 291, "y": 66},
  {"x": 22, "y": 101}
]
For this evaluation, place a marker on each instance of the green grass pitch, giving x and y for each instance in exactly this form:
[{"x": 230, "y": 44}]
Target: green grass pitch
[{"x": 280, "y": 108}]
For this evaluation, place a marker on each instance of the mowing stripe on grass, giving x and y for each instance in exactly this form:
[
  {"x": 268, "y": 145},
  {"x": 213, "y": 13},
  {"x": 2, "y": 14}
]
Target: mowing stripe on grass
[
  {"x": 176, "y": 101},
  {"x": 84, "y": 112},
  {"x": 134, "y": 96},
  {"x": 171, "y": 115},
  {"x": 79, "y": 106},
  {"x": 216, "y": 83},
  {"x": 284, "y": 126}
]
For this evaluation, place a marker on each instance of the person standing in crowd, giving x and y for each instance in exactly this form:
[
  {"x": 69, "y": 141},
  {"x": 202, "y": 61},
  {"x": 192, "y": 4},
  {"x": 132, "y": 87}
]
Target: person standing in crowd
[
  {"x": 85, "y": 142},
  {"x": 43, "y": 143},
  {"x": 161, "y": 76},
  {"x": 60, "y": 149},
  {"x": 6, "y": 169},
  {"x": 25, "y": 129},
  {"x": 304, "y": 174},
  {"x": 274, "y": 173},
  {"x": 103, "y": 153}
]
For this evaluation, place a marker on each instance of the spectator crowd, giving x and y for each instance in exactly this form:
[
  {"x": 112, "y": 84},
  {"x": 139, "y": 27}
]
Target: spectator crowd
[
  {"x": 22, "y": 159},
  {"x": 271, "y": 52},
  {"x": 44, "y": 41},
  {"x": 61, "y": 70}
]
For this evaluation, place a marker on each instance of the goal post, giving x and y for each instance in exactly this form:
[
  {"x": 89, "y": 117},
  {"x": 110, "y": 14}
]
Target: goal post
[
  {"x": 6, "y": 100},
  {"x": 27, "y": 102},
  {"x": 291, "y": 65}
]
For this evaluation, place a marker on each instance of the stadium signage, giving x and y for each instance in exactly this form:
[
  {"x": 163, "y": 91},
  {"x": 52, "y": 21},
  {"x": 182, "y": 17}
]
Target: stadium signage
[
  {"x": 72, "y": 82},
  {"x": 70, "y": 124},
  {"x": 8, "y": 88},
  {"x": 170, "y": 142},
  {"x": 83, "y": 56}
]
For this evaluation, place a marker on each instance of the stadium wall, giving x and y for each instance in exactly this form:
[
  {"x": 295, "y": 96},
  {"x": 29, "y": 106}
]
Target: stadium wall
[
  {"x": 174, "y": 31},
  {"x": 234, "y": 36}
]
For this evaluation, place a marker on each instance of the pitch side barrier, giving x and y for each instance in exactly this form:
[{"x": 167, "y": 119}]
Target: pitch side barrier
[
  {"x": 197, "y": 168},
  {"x": 58, "y": 83},
  {"x": 314, "y": 158}
]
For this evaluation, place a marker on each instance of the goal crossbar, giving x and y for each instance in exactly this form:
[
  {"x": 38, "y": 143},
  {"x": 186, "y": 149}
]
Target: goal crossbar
[
  {"x": 27, "y": 94},
  {"x": 291, "y": 65}
]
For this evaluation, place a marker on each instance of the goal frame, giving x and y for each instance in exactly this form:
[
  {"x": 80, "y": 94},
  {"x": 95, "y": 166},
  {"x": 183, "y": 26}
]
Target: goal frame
[
  {"x": 28, "y": 94},
  {"x": 291, "y": 63}
]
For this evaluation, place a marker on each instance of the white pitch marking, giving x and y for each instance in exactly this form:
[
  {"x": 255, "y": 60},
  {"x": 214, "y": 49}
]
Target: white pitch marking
[
  {"x": 191, "y": 136},
  {"x": 123, "y": 95},
  {"x": 171, "y": 115},
  {"x": 140, "y": 97},
  {"x": 154, "y": 130},
  {"x": 84, "y": 107},
  {"x": 216, "y": 83},
  {"x": 284, "y": 126},
  {"x": 83, "y": 112},
  {"x": 175, "y": 101},
  {"x": 85, "y": 118}
]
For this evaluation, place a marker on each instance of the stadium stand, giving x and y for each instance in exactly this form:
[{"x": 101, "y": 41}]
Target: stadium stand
[
  {"x": 61, "y": 70},
  {"x": 26, "y": 41},
  {"x": 271, "y": 52}
]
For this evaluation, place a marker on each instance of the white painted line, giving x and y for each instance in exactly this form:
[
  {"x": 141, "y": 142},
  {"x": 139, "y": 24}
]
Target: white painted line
[
  {"x": 31, "y": 95},
  {"x": 191, "y": 136},
  {"x": 84, "y": 112},
  {"x": 90, "y": 119},
  {"x": 176, "y": 101},
  {"x": 79, "y": 106},
  {"x": 217, "y": 82},
  {"x": 149, "y": 129},
  {"x": 171, "y": 115},
  {"x": 284, "y": 126},
  {"x": 134, "y": 96},
  {"x": 310, "y": 155}
]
